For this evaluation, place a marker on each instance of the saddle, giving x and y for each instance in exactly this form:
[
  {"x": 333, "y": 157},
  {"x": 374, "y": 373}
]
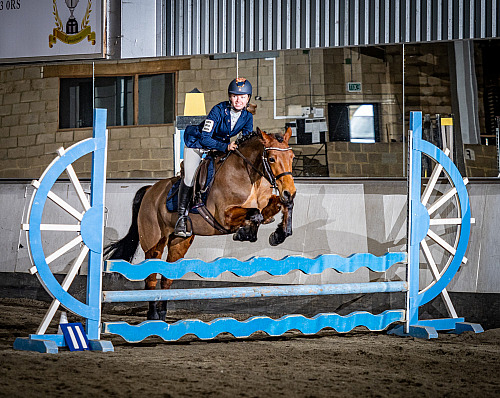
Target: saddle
[{"x": 203, "y": 179}]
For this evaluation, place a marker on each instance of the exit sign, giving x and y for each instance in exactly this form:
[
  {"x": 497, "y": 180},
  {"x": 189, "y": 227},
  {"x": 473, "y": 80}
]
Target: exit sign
[{"x": 354, "y": 87}]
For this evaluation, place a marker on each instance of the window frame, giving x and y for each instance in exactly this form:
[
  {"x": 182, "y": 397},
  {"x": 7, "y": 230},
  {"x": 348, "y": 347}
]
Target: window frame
[
  {"x": 334, "y": 120},
  {"x": 135, "y": 96}
]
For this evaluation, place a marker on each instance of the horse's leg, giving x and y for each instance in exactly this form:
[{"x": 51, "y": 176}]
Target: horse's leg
[
  {"x": 273, "y": 207},
  {"x": 177, "y": 248},
  {"x": 155, "y": 252},
  {"x": 248, "y": 220},
  {"x": 284, "y": 228}
]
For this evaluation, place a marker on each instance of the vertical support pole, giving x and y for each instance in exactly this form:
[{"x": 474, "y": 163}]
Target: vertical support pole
[
  {"x": 414, "y": 190},
  {"x": 497, "y": 132},
  {"x": 98, "y": 184}
]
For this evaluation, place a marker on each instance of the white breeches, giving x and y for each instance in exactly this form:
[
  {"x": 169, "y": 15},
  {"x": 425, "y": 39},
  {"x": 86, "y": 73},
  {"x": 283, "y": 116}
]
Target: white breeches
[{"x": 192, "y": 158}]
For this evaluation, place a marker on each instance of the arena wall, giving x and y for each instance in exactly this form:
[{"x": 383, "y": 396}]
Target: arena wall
[{"x": 341, "y": 217}]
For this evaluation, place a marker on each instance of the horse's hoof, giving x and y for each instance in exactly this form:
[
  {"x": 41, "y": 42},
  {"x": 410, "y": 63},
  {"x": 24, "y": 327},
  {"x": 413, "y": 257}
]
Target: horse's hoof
[
  {"x": 244, "y": 236},
  {"x": 239, "y": 237},
  {"x": 277, "y": 238}
]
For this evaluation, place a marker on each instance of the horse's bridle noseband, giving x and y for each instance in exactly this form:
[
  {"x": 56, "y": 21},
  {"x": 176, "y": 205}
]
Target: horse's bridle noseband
[
  {"x": 269, "y": 175},
  {"x": 267, "y": 167}
]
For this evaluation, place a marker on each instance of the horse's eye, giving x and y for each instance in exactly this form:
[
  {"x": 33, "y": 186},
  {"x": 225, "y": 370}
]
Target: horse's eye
[{"x": 272, "y": 160}]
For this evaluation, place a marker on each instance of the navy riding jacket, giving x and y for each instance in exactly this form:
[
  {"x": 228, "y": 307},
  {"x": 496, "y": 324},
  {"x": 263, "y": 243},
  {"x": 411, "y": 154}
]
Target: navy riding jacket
[{"x": 215, "y": 131}]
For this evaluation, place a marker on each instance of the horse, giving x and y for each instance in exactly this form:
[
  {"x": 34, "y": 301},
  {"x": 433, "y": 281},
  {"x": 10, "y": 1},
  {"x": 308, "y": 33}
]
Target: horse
[{"x": 240, "y": 199}]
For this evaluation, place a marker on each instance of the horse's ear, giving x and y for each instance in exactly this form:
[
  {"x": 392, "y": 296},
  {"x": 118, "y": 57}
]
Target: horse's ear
[
  {"x": 265, "y": 138},
  {"x": 288, "y": 134}
]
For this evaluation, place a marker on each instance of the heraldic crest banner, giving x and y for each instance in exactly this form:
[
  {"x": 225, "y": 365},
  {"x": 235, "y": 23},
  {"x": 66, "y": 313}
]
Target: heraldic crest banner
[{"x": 73, "y": 32}]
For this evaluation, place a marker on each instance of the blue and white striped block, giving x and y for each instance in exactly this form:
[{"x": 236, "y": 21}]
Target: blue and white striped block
[{"x": 75, "y": 336}]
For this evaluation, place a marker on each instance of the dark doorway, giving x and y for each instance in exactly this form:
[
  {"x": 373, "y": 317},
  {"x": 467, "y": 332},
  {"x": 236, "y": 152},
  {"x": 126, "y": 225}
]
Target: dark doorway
[{"x": 354, "y": 122}]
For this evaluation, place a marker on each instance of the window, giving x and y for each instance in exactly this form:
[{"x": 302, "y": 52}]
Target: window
[
  {"x": 353, "y": 122},
  {"x": 156, "y": 94},
  {"x": 361, "y": 123},
  {"x": 156, "y": 100},
  {"x": 112, "y": 93}
]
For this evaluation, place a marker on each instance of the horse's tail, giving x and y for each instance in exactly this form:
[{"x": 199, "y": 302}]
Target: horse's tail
[{"x": 125, "y": 248}]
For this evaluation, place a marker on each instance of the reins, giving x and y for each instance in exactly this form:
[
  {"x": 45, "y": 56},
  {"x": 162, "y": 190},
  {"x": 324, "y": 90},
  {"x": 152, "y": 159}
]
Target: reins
[{"x": 268, "y": 175}]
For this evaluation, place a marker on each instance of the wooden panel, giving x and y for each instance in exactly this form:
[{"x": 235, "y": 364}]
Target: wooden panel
[
  {"x": 114, "y": 68},
  {"x": 136, "y": 100}
]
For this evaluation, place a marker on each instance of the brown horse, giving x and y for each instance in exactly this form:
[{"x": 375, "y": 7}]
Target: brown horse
[{"x": 241, "y": 199}]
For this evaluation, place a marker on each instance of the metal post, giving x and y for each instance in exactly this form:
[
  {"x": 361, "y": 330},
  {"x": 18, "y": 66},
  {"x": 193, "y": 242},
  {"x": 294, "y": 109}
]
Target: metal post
[{"x": 497, "y": 131}]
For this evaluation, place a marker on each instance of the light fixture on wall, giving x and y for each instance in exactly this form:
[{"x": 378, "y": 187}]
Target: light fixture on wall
[{"x": 194, "y": 105}]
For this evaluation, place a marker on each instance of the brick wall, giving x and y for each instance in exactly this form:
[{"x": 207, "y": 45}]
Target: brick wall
[
  {"x": 29, "y": 106},
  {"x": 427, "y": 78},
  {"x": 329, "y": 72},
  {"x": 380, "y": 73},
  {"x": 28, "y": 121},
  {"x": 298, "y": 66},
  {"x": 347, "y": 159},
  {"x": 485, "y": 162},
  {"x": 29, "y": 115}
]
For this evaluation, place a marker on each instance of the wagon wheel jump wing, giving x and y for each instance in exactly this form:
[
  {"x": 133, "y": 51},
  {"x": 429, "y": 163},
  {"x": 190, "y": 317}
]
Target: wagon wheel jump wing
[
  {"x": 88, "y": 225},
  {"x": 439, "y": 226}
]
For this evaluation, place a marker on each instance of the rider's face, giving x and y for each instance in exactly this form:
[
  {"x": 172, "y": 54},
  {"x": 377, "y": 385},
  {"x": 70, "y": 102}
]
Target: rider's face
[{"x": 239, "y": 101}]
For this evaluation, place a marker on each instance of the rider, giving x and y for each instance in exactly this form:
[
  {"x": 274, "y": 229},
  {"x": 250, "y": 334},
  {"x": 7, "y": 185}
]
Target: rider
[{"x": 224, "y": 121}]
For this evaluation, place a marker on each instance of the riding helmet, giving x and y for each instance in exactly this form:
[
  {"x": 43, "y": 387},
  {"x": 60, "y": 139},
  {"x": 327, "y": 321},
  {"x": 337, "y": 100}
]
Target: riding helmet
[{"x": 240, "y": 86}]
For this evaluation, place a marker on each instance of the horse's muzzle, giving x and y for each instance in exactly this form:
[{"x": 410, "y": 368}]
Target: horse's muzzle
[{"x": 286, "y": 197}]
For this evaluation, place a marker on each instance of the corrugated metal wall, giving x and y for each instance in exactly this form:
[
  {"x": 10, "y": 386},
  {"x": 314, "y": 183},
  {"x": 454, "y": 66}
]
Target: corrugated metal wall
[{"x": 226, "y": 26}]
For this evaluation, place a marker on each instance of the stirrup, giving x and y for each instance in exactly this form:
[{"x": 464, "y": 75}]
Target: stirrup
[{"x": 183, "y": 233}]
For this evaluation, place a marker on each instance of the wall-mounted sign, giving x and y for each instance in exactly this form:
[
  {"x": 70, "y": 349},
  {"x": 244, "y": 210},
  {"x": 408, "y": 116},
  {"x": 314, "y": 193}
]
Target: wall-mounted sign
[
  {"x": 354, "y": 87},
  {"x": 51, "y": 29},
  {"x": 469, "y": 154}
]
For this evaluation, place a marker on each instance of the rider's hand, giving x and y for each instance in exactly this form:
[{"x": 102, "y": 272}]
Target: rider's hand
[{"x": 232, "y": 146}]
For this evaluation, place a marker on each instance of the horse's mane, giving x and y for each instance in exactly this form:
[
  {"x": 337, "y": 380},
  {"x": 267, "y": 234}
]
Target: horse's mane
[
  {"x": 248, "y": 137},
  {"x": 254, "y": 134}
]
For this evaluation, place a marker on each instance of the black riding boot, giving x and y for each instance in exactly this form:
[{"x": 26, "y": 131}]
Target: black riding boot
[{"x": 184, "y": 199}]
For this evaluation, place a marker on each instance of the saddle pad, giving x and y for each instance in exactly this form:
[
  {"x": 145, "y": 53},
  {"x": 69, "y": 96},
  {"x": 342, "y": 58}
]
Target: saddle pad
[{"x": 172, "y": 203}]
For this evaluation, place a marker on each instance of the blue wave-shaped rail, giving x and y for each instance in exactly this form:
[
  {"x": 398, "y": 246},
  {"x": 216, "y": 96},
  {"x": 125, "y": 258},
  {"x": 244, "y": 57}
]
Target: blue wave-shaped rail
[
  {"x": 273, "y": 327},
  {"x": 249, "y": 267}
]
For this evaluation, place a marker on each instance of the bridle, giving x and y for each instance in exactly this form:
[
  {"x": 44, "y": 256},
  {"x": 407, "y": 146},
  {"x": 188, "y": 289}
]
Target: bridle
[
  {"x": 267, "y": 167},
  {"x": 268, "y": 172}
]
